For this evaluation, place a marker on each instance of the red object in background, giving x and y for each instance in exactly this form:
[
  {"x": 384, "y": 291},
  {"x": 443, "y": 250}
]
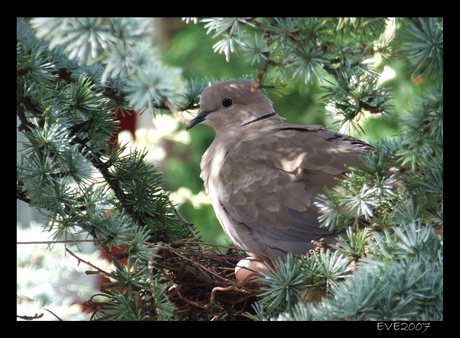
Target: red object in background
[{"x": 127, "y": 122}]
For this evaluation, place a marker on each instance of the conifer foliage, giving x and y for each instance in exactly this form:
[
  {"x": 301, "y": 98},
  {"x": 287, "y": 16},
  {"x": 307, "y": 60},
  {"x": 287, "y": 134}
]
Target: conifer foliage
[
  {"x": 75, "y": 74},
  {"x": 66, "y": 169}
]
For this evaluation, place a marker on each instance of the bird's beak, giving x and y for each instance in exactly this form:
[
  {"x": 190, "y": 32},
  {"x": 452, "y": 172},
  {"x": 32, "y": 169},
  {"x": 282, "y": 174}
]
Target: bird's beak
[{"x": 198, "y": 119}]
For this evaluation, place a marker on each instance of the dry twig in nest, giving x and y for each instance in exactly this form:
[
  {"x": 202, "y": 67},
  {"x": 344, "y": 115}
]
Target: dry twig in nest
[{"x": 204, "y": 280}]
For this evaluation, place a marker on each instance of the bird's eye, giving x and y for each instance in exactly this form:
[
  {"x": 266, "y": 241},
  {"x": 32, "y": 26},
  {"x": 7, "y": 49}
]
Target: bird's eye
[{"x": 227, "y": 102}]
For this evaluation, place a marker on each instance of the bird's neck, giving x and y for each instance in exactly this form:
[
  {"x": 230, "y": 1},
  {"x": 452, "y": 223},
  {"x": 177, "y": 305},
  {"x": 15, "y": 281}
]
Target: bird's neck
[{"x": 247, "y": 123}]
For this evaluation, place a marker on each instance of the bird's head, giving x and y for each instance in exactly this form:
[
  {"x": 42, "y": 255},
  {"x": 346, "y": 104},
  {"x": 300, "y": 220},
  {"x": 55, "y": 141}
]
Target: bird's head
[{"x": 232, "y": 104}]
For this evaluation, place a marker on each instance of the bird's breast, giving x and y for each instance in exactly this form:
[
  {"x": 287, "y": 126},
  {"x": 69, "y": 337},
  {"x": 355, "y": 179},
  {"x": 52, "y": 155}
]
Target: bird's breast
[{"x": 211, "y": 164}]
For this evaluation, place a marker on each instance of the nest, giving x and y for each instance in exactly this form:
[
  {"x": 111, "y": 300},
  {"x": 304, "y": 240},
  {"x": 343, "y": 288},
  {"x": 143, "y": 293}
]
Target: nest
[{"x": 202, "y": 281}]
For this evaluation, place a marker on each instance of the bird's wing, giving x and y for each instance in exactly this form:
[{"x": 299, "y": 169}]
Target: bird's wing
[{"x": 269, "y": 180}]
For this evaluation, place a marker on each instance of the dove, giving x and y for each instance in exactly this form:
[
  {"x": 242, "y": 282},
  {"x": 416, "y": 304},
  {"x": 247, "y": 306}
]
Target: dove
[{"x": 262, "y": 174}]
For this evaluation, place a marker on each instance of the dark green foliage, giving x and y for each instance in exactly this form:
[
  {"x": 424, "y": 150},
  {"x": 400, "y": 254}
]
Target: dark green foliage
[
  {"x": 301, "y": 278},
  {"x": 67, "y": 172},
  {"x": 285, "y": 282},
  {"x": 401, "y": 279},
  {"x": 423, "y": 45}
]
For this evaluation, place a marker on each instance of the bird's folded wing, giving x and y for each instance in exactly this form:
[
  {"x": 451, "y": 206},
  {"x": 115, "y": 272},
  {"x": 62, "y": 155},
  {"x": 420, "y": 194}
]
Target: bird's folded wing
[{"x": 269, "y": 180}]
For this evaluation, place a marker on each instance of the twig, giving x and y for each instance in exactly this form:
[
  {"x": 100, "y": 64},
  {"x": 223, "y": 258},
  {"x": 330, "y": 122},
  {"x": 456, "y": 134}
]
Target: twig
[
  {"x": 187, "y": 224},
  {"x": 24, "y": 102},
  {"x": 101, "y": 272},
  {"x": 54, "y": 315},
  {"x": 195, "y": 303},
  {"x": 267, "y": 62},
  {"x": 37, "y": 316},
  {"x": 200, "y": 266},
  {"x": 211, "y": 244},
  {"x": 373, "y": 110},
  {"x": 175, "y": 111},
  {"x": 58, "y": 242},
  {"x": 213, "y": 294},
  {"x": 177, "y": 252},
  {"x": 194, "y": 253}
]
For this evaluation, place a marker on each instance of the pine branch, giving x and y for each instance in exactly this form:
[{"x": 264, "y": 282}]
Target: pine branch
[{"x": 114, "y": 184}]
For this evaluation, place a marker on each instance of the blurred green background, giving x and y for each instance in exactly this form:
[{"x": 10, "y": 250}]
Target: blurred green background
[{"x": 189, "y": 47}]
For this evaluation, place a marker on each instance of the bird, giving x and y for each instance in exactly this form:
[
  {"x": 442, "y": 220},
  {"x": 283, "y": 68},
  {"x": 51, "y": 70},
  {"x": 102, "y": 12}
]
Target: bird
[{"x": 263, "y": 175}]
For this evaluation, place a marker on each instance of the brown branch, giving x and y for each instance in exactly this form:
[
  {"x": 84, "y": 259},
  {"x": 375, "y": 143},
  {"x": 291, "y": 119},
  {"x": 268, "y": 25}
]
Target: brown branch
[
  {"x": 101, "y": 272},
  {"x": 64, "y": 75},
  {"x": 58, "y": 242},
  {"x": 113, "y": 183},
  {"x": 22, "y": 194},
  {"x": 193, "y": 253},
  {"x": 267, "y": 62},
  {"x": 195, "y": 303},
  {"x": 332, "y": 72},
  {"x": 260, "y": 76},
  {"x": 22, "y": 71},
  {"x": 373, "y": 110},
  {"x": 176, "y": 112},
  {"x": 214, "y": 291},
  {"x": 112, "y": 94},
  {"x": 187, "y": 224},
  {"x": 21, "y": 103},
  {"x": 36, "y": 316},
  {"x": 54, "y": 315}
]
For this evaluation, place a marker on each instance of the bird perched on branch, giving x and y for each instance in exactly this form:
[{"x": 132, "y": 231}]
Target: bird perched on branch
[{"x": 262, "y": 174}]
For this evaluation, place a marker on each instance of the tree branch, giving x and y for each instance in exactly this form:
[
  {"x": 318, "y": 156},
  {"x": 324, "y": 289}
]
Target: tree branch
[
  {"x": 101, "y": 272},
  {"x": 373, "y": 110},
  {"x": 59, "y": 242},
  {"x": 25, "y": 101},
  {"x": 36, "y": 316},
  {"x": 21, "y": 194}
]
